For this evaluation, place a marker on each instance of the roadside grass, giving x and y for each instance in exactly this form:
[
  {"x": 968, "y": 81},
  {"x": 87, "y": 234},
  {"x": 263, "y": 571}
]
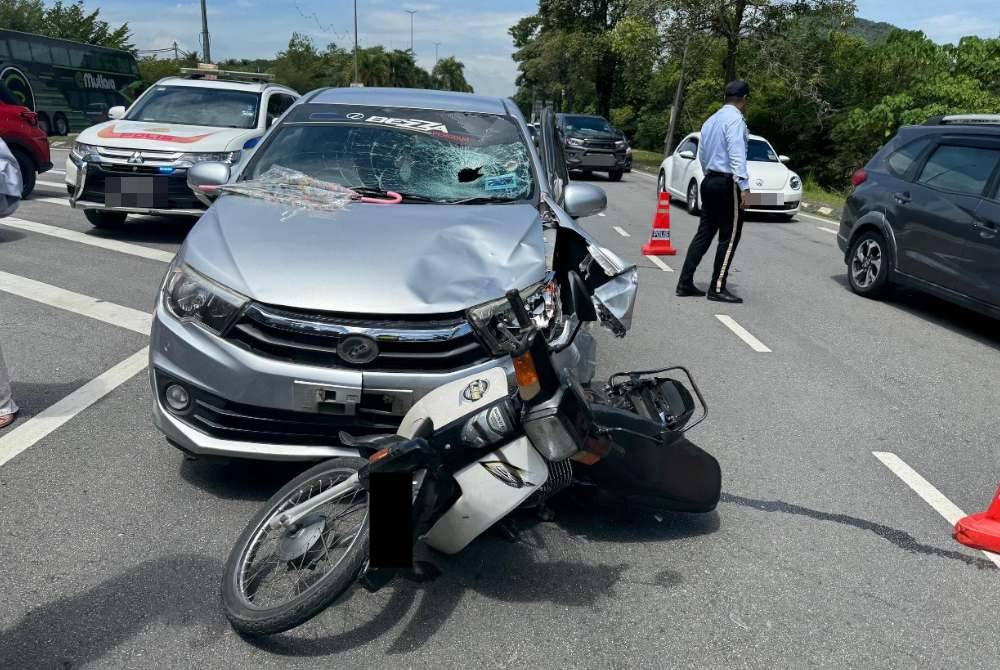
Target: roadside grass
[
  {"x": 648, "y": 161},
  {"x": 815, "y": 194}
]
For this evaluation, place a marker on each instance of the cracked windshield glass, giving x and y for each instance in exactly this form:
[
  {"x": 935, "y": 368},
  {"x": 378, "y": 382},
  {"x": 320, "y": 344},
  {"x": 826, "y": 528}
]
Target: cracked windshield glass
[{"x": 425, "y": 156}]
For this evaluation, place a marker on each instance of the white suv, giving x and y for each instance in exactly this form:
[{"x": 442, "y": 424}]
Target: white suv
[{"x": 137, "y": 162}]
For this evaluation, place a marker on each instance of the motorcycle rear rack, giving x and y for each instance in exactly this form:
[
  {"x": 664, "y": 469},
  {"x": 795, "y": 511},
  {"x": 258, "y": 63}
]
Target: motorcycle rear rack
[{"x": 637, "y": 375}]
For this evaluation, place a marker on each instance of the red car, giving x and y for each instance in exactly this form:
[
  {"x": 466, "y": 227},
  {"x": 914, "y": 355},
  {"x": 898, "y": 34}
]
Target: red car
[{"x": 29, "y": 143}]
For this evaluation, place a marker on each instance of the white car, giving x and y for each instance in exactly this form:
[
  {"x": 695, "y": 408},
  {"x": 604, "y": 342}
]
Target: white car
[
  {"x": 774, "y": 189},
  {"x": 137, "y": 162}
]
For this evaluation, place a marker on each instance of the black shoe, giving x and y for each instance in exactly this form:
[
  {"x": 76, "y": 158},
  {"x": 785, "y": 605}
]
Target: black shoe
[
  {"x": 689, "y": 290},
  {"x": 724, "y": 296}
]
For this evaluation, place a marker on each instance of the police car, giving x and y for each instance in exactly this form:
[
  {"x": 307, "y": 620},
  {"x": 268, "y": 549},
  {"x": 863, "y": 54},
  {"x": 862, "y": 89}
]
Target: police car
[{"x": 137, "y": 162}]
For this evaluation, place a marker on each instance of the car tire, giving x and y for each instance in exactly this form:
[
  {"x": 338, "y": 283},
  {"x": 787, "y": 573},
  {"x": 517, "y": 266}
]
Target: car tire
[
  {"x": 692, "y": 198},
  {"x": 661, "y": 183},
  {"x": 60, "y": 124},
  {"x": 27, "y": 168},
  {"x": 869, "y": 265},
  {"x": 615, "y": 175},
  {"x": 44, "y": 124},
  {"x": 100, "y": 218}
]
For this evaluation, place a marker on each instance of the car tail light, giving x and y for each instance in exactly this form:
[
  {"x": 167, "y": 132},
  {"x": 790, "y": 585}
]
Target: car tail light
[
  {"x": 859, "y": 178},
  {"x": 30, "y": 117}
]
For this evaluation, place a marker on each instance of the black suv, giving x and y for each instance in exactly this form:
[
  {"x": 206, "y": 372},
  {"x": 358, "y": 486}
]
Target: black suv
[
  {"x": 925, "y": 213},
  {"x": 592, "y": 144}
]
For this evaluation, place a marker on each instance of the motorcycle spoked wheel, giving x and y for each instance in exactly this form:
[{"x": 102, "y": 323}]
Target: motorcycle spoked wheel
[{"x": 276, "y": 580}]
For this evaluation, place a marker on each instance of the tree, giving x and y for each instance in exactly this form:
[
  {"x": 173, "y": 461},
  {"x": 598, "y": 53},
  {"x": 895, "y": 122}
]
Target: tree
[
  {"x": 449, "y": 75},
  {"x": 71, "y": 22}
]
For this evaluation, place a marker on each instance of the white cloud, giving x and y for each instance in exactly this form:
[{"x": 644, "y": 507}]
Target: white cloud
[{"x": 945, "y": 28}]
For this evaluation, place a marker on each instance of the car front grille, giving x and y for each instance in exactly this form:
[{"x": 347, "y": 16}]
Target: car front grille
[
  {"x": 432, "y": 343},
  {"x": 607, "y": 145},
  {"x": 179, "y": 195}
]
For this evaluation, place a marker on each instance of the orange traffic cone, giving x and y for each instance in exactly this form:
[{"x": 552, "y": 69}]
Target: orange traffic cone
[
  {"x": 659, "y": 238},
  {"x": 982, "y": 530}
]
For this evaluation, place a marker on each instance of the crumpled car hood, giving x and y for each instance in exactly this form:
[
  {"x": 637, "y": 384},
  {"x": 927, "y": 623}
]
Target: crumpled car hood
[{"x": 369, "y": 259}]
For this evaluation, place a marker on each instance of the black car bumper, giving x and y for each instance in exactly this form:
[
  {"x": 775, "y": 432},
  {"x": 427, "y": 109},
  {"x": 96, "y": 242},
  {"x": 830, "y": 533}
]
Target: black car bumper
[{"x": 594, "y": 159}]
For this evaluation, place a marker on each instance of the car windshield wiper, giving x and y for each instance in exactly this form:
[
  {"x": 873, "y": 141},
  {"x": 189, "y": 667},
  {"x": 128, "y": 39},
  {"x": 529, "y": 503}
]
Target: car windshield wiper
[
  {"x": 380, "y": 193},
  {"x": 482, "y": 200}
]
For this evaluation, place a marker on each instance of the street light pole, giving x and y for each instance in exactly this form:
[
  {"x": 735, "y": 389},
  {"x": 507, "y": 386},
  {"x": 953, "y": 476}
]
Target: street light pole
[
  {"x": 204, "y": 34},
  {"x": 436, "y": 58},
  {"x": 355, "y": 41},
  {"x": 411, "y": 12}
]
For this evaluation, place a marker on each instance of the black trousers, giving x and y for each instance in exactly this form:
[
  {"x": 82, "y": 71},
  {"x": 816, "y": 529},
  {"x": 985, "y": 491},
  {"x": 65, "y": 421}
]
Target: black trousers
[{"x": 720, "y": 213}]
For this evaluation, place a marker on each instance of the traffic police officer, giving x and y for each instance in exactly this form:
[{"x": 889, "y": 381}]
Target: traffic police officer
[{"x": 724, "y": 192}]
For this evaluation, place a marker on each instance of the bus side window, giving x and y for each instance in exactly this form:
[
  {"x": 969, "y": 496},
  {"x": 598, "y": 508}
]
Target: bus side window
[
  {"x": 20, "y": 50},
  {"x": 41, "y": 53},
  {"x": 60, "y": 56},
  {"x": 4, "y": 54},
  {"x": 77, "y": 57}
]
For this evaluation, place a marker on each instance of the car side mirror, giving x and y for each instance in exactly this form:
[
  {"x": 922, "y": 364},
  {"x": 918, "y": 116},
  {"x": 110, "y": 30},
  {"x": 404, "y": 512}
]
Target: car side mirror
[
  {"x": 783, "y": 158},
  {"x": 116, "y": 112},
  {"x": 687, "y": 154},
  {"x": 205, "y": 178},
  {"x": 584, "y": 199}
]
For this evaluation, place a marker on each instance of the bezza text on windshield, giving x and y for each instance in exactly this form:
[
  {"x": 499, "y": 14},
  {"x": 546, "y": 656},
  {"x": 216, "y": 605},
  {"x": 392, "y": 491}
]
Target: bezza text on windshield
[{"x": 416, "y": 124}]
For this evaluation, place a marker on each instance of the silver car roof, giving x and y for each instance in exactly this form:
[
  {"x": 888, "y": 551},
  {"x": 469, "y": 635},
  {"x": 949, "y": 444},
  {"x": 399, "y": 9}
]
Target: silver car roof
[{"x": 446, "y": 101}]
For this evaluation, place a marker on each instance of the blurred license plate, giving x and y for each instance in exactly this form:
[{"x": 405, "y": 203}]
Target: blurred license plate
[
  {"x": 601, "y": 159},
  {"x": 766, "y": 199},
  {"x": 139, "y": 191}
]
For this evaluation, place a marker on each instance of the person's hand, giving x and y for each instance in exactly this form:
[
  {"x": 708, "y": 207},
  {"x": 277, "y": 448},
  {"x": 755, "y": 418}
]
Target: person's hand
[{"x": 744, "y": 198}]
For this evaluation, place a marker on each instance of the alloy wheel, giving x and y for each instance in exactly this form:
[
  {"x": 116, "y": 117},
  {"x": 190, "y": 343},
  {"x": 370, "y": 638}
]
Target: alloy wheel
[{"x": 866, "y": 263}]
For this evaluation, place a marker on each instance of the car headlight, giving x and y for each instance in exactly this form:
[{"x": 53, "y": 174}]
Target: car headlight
[
  {"x": 795, "y": 182},
  {"x": 620, "y": 144},
  {"x": 84, "y": 151},
  {"x": 497, "y": 326},
  {"x": 574, "y": 142},
  {"x": 229, "y": 157},
  {"x": 191, "y": 296}
]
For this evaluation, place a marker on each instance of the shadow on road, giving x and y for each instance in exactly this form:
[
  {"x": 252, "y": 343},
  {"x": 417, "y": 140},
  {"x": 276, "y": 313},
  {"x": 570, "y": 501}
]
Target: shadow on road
[
  {"x": 957, "y": 319},
  {"x": 240, "y": 479},
  {"x": 33, "y": 397},
  {"x": 159, "y": 230},
  {"x": 82, "y": 628},
  {"x": 527, "y": 568},
  {"x": 8, "y": 235}
]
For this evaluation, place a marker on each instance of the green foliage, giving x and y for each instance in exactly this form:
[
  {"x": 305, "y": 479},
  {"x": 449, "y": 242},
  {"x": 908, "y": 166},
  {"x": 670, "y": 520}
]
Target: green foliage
[{"x": 70, "y": 22}]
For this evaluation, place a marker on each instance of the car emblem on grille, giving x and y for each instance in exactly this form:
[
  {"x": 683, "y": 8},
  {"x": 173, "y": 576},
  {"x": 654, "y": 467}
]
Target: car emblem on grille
[
  {"x": 135, "y": 158},
  {"x": 758, "y": 182},
  {"x": 358, "y": 349},
  {"x": 476, "y": 390}
]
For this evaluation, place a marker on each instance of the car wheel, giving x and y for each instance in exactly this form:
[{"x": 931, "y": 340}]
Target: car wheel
[
  {"x": 60, "y": 124},
  {"x": 868, "y": 265},
  {"x": 661, "y": 183},
  {"x": 692, "y": 198},
  {"x": 43, "y": 123},
  {"x": 103, "y": 219},
  {"x": 27, "y": 168},
  {"x": 615, "y": 175}
]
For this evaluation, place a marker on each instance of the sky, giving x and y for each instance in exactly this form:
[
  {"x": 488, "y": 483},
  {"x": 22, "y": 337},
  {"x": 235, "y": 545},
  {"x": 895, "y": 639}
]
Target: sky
[{"x": 474, "y": 31}]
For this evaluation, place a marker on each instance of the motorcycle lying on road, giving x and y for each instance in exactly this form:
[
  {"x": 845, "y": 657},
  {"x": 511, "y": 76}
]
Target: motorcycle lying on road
[{"x": 466, "y": 456}]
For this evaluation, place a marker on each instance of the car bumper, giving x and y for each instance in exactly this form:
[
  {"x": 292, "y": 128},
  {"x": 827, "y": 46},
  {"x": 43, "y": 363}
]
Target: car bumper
[
  {"x": 594, "y": 159},
  {"x": 251, "y": 406},
  {"x": 785, "y": 202},
  {"x": 85, "y": 185}
]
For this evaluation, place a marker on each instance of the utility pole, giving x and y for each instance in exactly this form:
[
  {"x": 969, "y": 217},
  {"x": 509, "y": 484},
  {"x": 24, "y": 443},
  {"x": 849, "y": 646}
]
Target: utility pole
[
  {"x": 204, "y": 34},
  {"x": 668, "y": 141},
  {"x": 436, "y": 45},
  {"x": 356, "y": 80},
  {"x": 176, "y": 56},
  {"x": 411, "y": 12}
]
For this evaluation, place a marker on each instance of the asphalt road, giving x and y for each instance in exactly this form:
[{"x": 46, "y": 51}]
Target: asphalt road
[{"x": 819, "y": 555}]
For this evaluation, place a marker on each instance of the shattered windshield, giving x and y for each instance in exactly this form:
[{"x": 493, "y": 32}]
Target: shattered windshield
[{"x": 423, "y": 155}]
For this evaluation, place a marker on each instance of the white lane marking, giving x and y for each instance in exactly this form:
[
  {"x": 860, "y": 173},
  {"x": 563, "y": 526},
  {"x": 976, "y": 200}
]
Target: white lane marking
[
  {"x": 76, "y": 236},
  {"x": 826, "y": 230},
  {"x": 54, "y": 201},
  {"x": 923, "y": 488},
  {"x": 108, "y": 312},
  {"x": 54, "y": 184},
  {"x": 819, "y": 218},
  {"x": 660, "y": 264},
  {"x": 51, "y": 418},
  {"x": 643, "y": 174},
  {"x": 743, "y": 333},
  {"x": 601, "y": 214},
  {"x": 621, "y": 231}
]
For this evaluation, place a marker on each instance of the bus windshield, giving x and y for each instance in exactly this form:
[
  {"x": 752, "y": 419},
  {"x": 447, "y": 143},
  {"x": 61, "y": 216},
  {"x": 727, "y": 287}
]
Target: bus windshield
[{"x": 197, "y": 106}]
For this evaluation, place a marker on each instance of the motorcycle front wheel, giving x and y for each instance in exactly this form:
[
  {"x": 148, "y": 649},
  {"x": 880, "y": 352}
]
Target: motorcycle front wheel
[{"x": 277, "y": 580}]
